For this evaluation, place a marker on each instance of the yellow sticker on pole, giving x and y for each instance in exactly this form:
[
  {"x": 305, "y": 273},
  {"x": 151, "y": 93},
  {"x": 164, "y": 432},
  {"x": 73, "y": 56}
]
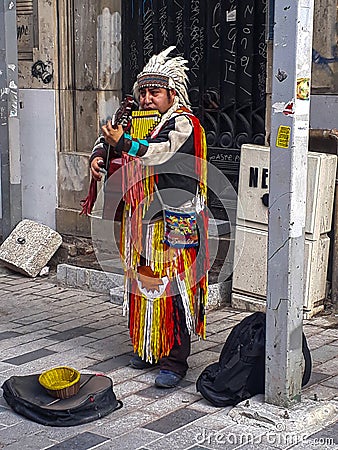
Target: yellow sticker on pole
[{"x": 283, "y": 137}]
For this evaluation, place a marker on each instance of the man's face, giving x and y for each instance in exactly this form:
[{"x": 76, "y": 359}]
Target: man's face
[{"x": 156, "y": 98}]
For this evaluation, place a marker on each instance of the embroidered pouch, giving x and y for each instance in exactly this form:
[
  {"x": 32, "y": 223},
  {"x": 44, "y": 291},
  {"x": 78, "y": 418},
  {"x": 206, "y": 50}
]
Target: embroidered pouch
[
  {"x": 180, "y": 224},
  {"x": 180, "y": 227}
]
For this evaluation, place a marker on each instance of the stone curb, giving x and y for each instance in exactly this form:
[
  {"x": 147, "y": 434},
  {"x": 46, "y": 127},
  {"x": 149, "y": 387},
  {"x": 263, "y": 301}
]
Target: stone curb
[
  {"x": 87, "y": 279},
  {"x": 112, "y": 284}
]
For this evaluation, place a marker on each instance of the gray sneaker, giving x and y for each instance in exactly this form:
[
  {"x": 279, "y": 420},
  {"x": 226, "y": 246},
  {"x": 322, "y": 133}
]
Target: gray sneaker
[
  {"x": 167, "y": 379},
  {"x": 137, "y": 362}
]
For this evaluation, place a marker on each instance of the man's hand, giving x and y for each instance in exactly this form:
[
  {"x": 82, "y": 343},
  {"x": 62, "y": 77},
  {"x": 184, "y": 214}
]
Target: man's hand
[
  {"x": 112, "y": 135},
  {"x": 95, "y": 167}
]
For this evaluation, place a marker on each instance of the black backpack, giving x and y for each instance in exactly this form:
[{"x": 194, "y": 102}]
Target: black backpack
[
  {"x": 240, "y": 371},
  {"x": 94, "y": 400}
]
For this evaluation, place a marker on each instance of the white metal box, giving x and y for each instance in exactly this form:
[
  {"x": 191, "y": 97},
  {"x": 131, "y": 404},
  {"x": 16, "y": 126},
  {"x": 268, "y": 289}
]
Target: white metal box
[
  {"x": 250, "y": 269},
  {"x": 254, "y": 184}
]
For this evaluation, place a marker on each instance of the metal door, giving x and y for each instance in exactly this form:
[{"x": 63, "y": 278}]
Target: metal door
[{"x": 224, "y": 42}]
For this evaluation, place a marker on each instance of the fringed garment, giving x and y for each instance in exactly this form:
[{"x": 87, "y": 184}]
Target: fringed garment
[{"x": 154, "y": 317}]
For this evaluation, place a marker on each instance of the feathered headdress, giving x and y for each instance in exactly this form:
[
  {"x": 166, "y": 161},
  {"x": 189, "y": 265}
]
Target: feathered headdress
[{"x": 165, "y": 72}]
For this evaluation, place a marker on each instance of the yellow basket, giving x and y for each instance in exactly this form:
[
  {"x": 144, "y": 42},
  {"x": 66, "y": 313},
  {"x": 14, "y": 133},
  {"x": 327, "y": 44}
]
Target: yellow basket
[{"x": 61, "y": 382}]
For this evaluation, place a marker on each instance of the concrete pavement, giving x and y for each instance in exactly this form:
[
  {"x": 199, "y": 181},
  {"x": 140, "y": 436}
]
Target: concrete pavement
[{"x": 43, "y": 325}]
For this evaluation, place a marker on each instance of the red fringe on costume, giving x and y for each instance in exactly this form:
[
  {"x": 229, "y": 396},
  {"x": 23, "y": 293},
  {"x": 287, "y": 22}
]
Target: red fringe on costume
[
  {"x": 88, "y": 203},
  {"x": 152, "y": 322}
]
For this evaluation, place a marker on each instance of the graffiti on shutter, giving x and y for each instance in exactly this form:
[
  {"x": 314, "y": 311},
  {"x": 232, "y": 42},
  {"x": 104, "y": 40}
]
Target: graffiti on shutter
[
  {"x": 224, "y": 42},
  {"x": 27, "y": 28}
]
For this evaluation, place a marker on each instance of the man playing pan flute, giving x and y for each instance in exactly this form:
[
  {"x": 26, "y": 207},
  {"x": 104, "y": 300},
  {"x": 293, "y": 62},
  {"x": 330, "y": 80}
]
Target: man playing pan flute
[{"x": 166, "y": 281}]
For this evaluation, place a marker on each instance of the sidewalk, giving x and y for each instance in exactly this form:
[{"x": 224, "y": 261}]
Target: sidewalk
[{"x": 43, "y": 325}]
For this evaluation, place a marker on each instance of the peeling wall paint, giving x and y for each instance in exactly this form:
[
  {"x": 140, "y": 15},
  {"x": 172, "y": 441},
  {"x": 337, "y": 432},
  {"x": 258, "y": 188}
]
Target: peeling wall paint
[{"x": 108, "y": 53}]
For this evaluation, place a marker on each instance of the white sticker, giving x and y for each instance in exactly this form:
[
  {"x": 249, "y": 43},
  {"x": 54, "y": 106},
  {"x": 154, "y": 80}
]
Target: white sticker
[{"x": 278, "y": 107}]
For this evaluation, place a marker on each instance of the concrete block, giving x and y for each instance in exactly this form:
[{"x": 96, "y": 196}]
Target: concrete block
[
  {"x": 72, "y": 276},
  {"x": 61, "y": 273},
  {"x": 116, "y": 295},
  {"x": 219, "y": 294},
  {"x": 82, "y": 278},
  {"x": 99, "y": 281},
  {"x": 29, "y": 247}
]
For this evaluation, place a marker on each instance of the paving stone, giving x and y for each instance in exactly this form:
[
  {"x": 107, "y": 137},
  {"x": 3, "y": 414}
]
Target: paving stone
[
  {"x": 155, "y": 393},
  {"x": 71, "y": 344},
  {"x": 65, "y": 297},
  {"x": 198, "y": 447},
  {"x": 217, "y": 349},
  {"x": 71, "y": 333},
  {"x": 328, "y": 435},
  {"x": 317, "y": 377},
  {"x": 318, "y": 340},
  {"x": 114, "y": 425},
  {"x": 58, "y": 434},
  {"x": 181, "y": 439},
  {"x": 331, "y": 382},
  {"x": 16, "y": 432},
  {"x": 30, "y": 319},
  {"x": 4, "y": 367},
  {"x": 310, "y": 329},
  {"x": 12, "y": 350},
  {"x": 220, "y": 336},
  {"x": 14, "y": 287},
  {"x": 216, "y": 421},
  {"x": 119, "y": 343},
  {"x": 202, "y": 359},
  {"x": 324, "y": 353},
  {"x": 194, "y": 373},
  {"x": 174, "y": 420},
  {"x": 8, "y": 417},
  {"x": 82, "y": 441},
  {"x": 221, "y": 325},
  {"x": 202, "y": 345},
  {"x": 123, "y": 374},
  {"x": 320, "y": 392},
  {"x": 133, "y": 402},
  {"x": 204, "y": 406},
  {"x": 312, "y": 444},
  {"x": 36, "y": 442},
  {"x": 109, "y": 331},
  {"x": 51, "y": 289},
  {"x": 134, "y": 439},
  {"x": 109, "y": 319},
  {"x": 330, "y": 367},
  {"x": 42, "y": 325},
  {"x": 124, "y": 389},
  {"x": 8, "y": 335},
  {"x": 173, "y": 401},
  {"x": 111, "y": 363},
  {"x": 31, "y": 356}
]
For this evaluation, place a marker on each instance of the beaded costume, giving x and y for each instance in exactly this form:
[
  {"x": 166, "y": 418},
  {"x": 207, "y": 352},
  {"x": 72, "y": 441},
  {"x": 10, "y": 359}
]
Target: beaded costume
[{"x": 173, "y": 156}]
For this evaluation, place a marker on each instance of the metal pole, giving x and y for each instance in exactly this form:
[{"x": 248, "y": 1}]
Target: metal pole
[
  {"x": 291, "y": 72},
  {"x": 11, "y": 197}
]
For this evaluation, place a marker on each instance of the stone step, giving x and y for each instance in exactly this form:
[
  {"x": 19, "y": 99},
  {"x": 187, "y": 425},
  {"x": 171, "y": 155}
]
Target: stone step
[{"x": 112, "y": 284}]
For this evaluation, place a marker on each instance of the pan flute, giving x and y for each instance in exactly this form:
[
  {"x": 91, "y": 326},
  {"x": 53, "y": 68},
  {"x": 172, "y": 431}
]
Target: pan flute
[{"x": 143, "y": 123}]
